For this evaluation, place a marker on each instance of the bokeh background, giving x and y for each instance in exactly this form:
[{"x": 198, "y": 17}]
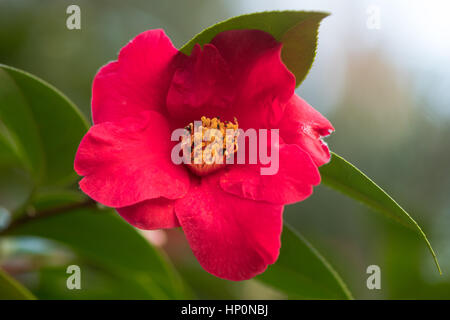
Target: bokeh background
[{"x": 384, "y": 87}]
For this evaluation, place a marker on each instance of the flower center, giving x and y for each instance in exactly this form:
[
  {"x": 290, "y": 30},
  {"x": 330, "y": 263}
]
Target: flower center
[{"x": 209, "y": 143}]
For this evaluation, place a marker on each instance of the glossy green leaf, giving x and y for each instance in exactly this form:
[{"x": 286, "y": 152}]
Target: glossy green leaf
[
  {"x": 302, "y": 272},
  {"x": 341, "y": 175},
  {"x": 297, "y": 30},
  {"x": 102, "y": 237},
  {"x": 10, "y": 289},
  {"x": 39, "y": 126}
]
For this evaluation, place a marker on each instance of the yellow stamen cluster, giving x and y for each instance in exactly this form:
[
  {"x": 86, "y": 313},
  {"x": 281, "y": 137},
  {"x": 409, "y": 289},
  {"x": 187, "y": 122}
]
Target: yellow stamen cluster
[{"x": 211, "y": 142}]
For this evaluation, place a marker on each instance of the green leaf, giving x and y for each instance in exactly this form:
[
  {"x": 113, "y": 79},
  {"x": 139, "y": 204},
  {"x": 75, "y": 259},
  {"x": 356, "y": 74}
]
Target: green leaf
[
  {"x": 297, "y": 30},
  {"x": 302, "y": 272},
  {"x": 102, "y": 237},
  {"x": 341, "y": 175},
  {"x": 39, "y": 126},
  {"x": 16, "y": 187},
  {"x": 96, "y": 283},
  {"x": 10, "y": 289}
]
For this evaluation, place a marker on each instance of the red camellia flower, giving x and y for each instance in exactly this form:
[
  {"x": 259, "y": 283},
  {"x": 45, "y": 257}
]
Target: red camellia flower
[{"x": 232, "y": 216}]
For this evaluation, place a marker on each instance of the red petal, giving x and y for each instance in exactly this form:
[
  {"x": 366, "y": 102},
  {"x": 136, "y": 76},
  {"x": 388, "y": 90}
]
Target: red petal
[
  {"x": 151, "y": 214},
  {"x": 263, "y": 81},
  {"x": 303, "y": 125},
  {"x": 232, "y": 238},
  {"x": 293, "y": 182},
  {"x": 239, "y": 74},
  {"x": 201, "y": 86},
  {"x": 137, "y": 81},
  {"x": 127, "y": 162}
]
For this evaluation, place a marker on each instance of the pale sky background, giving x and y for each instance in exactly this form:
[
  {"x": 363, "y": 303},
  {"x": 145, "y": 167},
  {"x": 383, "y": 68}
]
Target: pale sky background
[{"x": 413, "y": 33}]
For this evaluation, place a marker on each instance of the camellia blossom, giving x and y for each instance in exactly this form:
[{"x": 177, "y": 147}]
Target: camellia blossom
[{"x": 232, "y": 216}]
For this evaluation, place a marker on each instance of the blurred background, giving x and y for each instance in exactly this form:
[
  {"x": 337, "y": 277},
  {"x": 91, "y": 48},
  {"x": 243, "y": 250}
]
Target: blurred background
[{"x": 381, "y": 75}]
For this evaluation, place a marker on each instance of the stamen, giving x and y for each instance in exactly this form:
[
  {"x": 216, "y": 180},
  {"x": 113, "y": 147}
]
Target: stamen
[{"x": 209, "y": 144}]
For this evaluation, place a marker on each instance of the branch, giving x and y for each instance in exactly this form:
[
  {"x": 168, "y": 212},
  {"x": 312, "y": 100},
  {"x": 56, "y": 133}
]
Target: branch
[{"x": 47, "y": 213}]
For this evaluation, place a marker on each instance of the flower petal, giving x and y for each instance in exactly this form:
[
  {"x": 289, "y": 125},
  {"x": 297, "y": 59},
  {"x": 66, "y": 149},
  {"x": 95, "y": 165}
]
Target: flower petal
[
  {"x": 137, "y": 81},
  {"x": 303, "y": 125},
  {"x": 239, "y": 74},
  {"x": 200, "y": 86},
  {"x": 293, "y": 181},
  {"x": 264, "y": 82},
  {"x": 128, "y": 162},
  {"x": 151, "y": 214},
  {"x": 232, "y": 238}
]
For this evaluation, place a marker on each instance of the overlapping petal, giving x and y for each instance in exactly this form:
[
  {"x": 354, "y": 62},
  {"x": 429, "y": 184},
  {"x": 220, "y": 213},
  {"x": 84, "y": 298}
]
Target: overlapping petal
[
  {"x": 262, "y": 80},
  {"x": 137, "y": 81},
  {"x": 303, "y": 125},
  {"x": 151, "y": 214},
  {"x": 128, "y": 162},
  {"x": 292, "y": 182},
  {"x": 201, "y": 86},
  {"x": 232, "y": 238},
  {"x": 239, "y": 74}
]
